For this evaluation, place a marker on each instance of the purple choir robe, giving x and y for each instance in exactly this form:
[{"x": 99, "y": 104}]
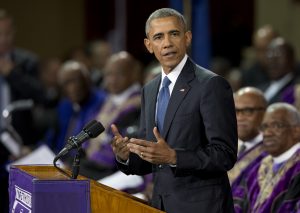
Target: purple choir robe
[{"x": 263, "y": 190}]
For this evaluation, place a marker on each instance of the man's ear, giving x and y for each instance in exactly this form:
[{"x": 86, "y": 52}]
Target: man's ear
[
  {"x": 148, "y": 45},
  {"x": 188, "y": 38}
]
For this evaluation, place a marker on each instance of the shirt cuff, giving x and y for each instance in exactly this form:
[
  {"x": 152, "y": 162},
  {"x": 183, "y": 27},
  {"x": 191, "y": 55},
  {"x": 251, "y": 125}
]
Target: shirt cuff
[{"x": 126, "y": 163}]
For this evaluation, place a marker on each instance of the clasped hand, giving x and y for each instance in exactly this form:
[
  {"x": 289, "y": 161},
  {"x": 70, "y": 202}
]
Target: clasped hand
[{"x": 158, "y": 152}]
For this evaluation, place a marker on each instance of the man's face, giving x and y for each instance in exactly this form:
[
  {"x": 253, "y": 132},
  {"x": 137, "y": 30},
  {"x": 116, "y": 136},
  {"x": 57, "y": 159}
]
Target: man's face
[
  {"x": 279, "y": 133},
  {"x": 75, "y": 85},
  {"x": 249, "y": 113},
  {"x": 278, "y": 62},
  {"x": 168, "y": 41},
  {"x": 117, "y": 77},
  {"x": 6, "y": 35}
]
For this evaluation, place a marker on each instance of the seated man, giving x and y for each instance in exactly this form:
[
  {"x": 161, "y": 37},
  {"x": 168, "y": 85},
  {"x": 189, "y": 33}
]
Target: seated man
[
  {"x": 250, "y": 106},
  {"x": 122, "y": 106},
  {"x": 272, "y": 185}
]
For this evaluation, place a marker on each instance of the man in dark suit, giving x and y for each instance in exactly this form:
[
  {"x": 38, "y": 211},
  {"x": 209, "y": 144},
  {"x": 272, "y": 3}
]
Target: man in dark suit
[
  {"x": 282, "y": 71},
  {"x": 190, "y": 151},
  {"x": 19, "y": 72}
]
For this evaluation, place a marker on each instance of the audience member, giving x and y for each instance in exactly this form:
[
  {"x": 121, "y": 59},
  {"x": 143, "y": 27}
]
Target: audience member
[
  {"x": 122, "y": 107},
  {"x": 272, "y": 185},
  {"x": 281, "y": 70},
  {"x": 99, "y": 52},
  {"x": 80, "y": 54},
  {"x": 255, "y": 74},
  {"x": 222, "y": 67},
  {"x": 19, "y": 78},
  {"x": 80, "y": 104},
  {"x": 250, "y": 106},
  {"x": 18, "y": 81},
  {"x": 45, "y": 114}
]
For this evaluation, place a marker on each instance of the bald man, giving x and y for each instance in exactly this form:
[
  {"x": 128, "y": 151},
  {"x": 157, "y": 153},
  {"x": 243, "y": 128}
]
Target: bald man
[
  {"x": 273, "y": 184},
  {"x": 250, "y": 106},
  {"x": 122, "y": 107}
]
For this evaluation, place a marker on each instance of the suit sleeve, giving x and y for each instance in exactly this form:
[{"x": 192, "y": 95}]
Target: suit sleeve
[{"x": 218, "y": 154}]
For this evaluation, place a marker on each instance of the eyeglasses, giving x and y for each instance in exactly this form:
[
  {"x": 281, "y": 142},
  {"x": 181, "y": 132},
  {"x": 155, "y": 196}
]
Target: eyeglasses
[
  {"x": 248, "y": 111},
  {"x": 274, "y": 126}
]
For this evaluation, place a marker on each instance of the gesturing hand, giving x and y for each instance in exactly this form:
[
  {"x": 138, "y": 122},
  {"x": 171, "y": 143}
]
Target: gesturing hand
[
  {"x": 154, "y": 152},
  {"x": 119, "y": 144}
]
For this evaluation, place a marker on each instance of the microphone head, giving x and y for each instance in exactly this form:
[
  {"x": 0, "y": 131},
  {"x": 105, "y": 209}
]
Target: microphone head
[
  {"x": 89, "y": 124},
  {"x": 95, "y": 129}
]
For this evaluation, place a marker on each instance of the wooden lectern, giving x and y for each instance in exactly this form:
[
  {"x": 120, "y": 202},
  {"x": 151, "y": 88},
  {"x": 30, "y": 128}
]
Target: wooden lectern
[{"x": 44, "y": 189}]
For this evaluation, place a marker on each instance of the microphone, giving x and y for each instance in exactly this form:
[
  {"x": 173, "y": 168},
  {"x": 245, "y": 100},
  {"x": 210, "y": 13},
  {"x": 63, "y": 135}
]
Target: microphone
[{"x": 91, "y": 130}]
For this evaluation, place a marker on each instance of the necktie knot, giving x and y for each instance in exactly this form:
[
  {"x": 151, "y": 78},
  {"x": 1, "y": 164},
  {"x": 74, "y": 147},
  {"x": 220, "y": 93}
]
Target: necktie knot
[{"x": 166, "y": 82}]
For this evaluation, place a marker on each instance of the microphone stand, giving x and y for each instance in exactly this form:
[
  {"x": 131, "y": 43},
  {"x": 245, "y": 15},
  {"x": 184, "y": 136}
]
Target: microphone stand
[{"x": 76, "y": 163}]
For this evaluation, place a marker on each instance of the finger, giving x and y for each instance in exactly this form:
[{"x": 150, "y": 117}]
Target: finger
[
  {"x": 136, "y": 148},
  {"x": 157, "y": 134},
  {"x": 139, "y": 142},
  {"x": 115, "y": 130},
  {"x": 121, "y": 142},
  {"x": 136, "y": 151}
]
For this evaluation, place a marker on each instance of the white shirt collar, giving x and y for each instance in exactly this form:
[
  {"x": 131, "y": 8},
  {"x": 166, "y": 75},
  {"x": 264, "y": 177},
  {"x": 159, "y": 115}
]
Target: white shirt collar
[
  {"x": 287, "y": 154},
  {"x": 276, "y": 86},
  {"x": 251, "y": 143},
  {"x": 118, "y": 99},
  {"x": 173, "y": 75}
]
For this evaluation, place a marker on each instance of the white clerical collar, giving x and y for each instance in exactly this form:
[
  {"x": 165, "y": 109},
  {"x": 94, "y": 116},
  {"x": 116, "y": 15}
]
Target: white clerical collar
[
  {"x": 287, "y": 154},
  {"x": 118, "y": 99},
  {"x": 251, "y": 143},
  {"x": 173, "y": 75}
]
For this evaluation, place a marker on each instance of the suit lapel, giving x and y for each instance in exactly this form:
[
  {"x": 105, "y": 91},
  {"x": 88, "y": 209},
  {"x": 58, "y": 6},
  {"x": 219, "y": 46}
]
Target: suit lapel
[
  {"x": 153, "y": 97},
  {"x": 180, "y": 90}
]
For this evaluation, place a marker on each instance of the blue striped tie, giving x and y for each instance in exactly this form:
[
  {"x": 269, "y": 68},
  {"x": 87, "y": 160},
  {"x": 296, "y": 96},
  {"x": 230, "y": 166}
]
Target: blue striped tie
[{"x": 163, "y": 100}]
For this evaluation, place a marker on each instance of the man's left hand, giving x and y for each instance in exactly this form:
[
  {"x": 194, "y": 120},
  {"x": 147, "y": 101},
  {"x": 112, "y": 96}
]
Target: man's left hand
[{"x": 154, "y": 152}]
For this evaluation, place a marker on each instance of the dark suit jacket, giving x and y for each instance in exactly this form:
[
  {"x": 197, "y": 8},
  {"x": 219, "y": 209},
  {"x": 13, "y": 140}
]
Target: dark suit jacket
[
  {"x": 24, "y": 84},
  {"x": 284, "y": 94},
  {"x": 200, "y": 124}
]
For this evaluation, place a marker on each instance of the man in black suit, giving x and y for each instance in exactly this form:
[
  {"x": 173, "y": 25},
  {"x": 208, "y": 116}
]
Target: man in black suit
[
  {"x": 190, "y": 151},
  {"x": 19, "y": 75}
]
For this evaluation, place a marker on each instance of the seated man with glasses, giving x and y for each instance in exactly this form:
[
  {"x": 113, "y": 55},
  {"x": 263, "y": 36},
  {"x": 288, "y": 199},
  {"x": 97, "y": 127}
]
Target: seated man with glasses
[
  {"x": 250, "y": 106},
  {"x": 273, "y": 185}
]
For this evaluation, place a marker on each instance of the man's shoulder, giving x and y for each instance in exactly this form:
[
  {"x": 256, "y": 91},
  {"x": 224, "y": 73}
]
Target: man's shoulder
[
  {"x": 154, "y": 82},
  {"x": 19, "y": 54},
  {"x": 201, "y": 73}
]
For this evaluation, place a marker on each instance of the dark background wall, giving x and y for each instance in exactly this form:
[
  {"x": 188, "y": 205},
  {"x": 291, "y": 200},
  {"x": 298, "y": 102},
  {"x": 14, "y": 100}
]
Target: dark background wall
[{"x": 52, "y": 28}]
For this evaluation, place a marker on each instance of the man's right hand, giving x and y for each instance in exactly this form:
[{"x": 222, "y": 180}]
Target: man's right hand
[{"x": 119, "y": 144}]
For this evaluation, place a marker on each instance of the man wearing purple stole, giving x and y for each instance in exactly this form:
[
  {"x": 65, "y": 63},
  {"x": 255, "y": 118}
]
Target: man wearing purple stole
[
  {"x": 273, "y": 184},
  {"x": 250, "y": 106},
  {"x": 122, "y": 77}
]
